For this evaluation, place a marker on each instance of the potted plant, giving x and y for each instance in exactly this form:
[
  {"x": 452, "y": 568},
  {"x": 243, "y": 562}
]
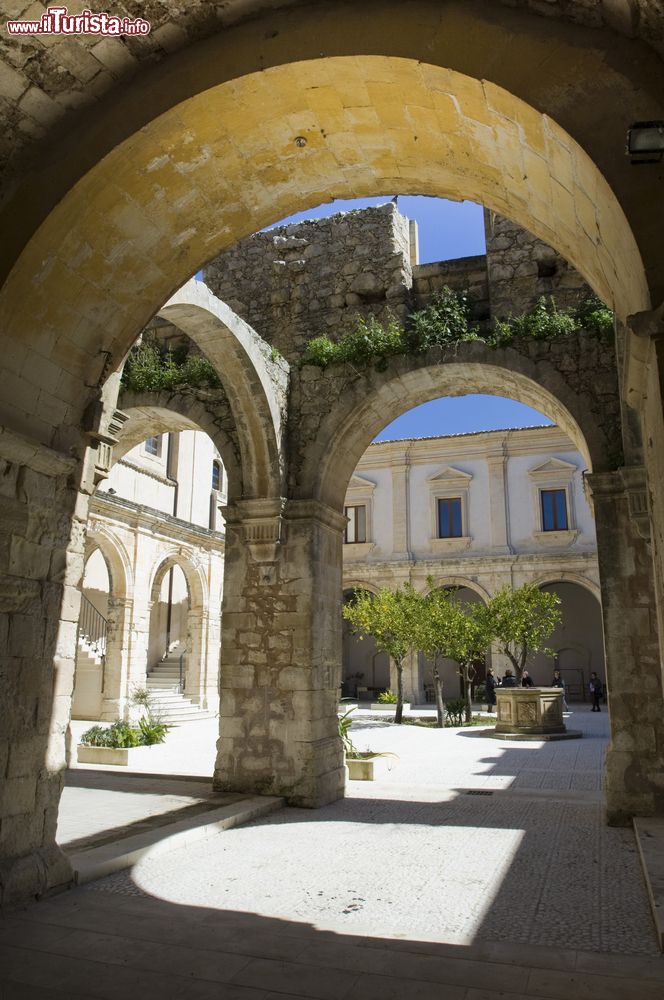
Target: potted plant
[{"x": 360, "y": 763}]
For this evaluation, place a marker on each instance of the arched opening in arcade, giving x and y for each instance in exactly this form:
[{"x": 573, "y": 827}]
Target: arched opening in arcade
[
  {"x": 133, "y": 210},
  {"x": 576, "y": 647},
  {"x": 92, "y": 639},
  {"x": 452, "y": 677},
  {"x": 471, "y": 493}
]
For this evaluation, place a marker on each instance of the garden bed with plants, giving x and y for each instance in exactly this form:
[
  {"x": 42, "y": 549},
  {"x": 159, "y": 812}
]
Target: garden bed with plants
[{"x": 112, "y": 744}]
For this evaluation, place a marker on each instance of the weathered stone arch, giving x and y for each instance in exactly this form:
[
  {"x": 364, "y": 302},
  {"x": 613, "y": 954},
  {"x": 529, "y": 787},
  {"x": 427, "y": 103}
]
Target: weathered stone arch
[
  {"x": 444, "y": 580},
  {"x": 198, "y": 608},
  {"x": 570, "y": 577},
  {"x": 193, "y": 574},
  {"x": 199, "y": 138},
  {"x": 365, "y": 402},
  {"x": 165, "y": 411},
  {"x": 352, "y": 585},
  {"x": 255, "y": 386},
  {"x": 115, "y": 556}
]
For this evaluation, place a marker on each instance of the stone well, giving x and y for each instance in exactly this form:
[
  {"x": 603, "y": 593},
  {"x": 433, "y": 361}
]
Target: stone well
[{"x": 534, "y": 713}]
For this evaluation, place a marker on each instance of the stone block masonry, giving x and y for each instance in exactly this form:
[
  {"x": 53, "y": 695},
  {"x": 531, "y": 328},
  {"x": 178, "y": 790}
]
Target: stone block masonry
[
  {"x": 317, "y": 277},
  {"x": 311, "y": 278}
]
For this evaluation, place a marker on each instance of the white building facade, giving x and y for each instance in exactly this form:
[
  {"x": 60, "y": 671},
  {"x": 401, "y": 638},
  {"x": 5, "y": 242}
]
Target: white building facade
[
  {"x": 151, "y": 608},
  {"x": 475, "y": 512}
]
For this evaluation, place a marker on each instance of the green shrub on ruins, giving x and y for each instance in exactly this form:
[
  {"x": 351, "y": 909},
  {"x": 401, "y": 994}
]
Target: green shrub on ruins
[
  {"x": 594, "y": 316},
  {"x": 148, "y": 368},
  {"x": 369, "y": 341},
  {"x": 546, "y": 322},
  {"x": 446, "y": 321}
]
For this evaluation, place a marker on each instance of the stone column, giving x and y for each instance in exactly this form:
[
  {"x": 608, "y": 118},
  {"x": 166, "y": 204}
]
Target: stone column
[
  {"x": 643, "y": 385},
  {"x": 196, "y": 650},
  {"x": 497, "y": 462},
  {"x": 42, "y": 527},
  {"x": 115, "y": 667},
  {"x": 281, "y": 652},
  {"x": 634, "y": 778}
]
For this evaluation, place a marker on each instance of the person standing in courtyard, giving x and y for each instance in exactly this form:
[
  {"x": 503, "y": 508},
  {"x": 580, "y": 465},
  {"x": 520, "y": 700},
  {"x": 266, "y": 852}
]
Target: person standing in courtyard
[
  {"x": 558, "y": 682},
  {"x": 595, "y": 691},
  {"x": 509, "y": 680},
  {"x": 526, "y": 680},
  {"x": 490, "y": 688}
]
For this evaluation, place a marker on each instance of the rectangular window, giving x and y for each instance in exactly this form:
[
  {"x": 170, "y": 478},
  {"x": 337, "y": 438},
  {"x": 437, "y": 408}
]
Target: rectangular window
[
  {"x": 554, "y": 510},
  {"x": 356, "y": 527},
  {"x": 449, "y": 518},
  {"x": 152, "y": 446}
]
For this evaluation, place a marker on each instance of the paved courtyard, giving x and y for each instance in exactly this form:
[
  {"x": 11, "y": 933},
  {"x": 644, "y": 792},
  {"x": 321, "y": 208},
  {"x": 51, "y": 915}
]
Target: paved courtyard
[{"x": 410, "y": 887}]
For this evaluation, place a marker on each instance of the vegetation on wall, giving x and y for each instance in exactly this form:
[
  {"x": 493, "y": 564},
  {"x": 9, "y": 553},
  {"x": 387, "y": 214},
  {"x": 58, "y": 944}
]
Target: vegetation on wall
[
  {"x": 151, "y": 367},
  {"x": 447, "y": 321},
  {"x": 546, "y": 322}
]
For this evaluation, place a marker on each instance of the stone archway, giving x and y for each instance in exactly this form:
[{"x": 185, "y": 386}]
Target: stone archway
[
  {"x": 369, "y": 400},
  {"x": 364, "y": 671},
  {"x": 466, "y": 592},
  {"x": 578, "y": 641},
  {"x": 354, "y": 407},
  {"x": 184, "y": 628},
  {"x": 118, "y": 614},
  {"x": 97, "y": 243}
]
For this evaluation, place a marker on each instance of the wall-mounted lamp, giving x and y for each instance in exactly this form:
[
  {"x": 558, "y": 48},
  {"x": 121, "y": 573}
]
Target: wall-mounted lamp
[{"x": 645, "y": 142}]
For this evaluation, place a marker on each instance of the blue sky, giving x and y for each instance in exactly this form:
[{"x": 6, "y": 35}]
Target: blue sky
[{"x": 447, "y": 229}]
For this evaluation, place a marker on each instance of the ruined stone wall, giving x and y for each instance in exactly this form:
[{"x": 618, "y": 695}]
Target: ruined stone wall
[
  {"x": 463, "y": 274},
  {"x": 521, "y": 268},
  {"x": 296, "y": 282}
]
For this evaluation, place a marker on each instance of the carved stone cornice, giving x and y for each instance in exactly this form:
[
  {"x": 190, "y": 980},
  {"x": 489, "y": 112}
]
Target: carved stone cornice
[
  {"x": 260, "y": 525},
  {"x": 314, "y": 510}
]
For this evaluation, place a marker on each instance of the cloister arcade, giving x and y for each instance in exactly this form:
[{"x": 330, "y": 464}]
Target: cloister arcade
[{"x": 465, "y": 100}]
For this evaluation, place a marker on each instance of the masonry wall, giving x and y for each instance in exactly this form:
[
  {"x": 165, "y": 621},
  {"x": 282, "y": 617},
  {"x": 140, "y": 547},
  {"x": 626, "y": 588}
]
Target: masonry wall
[
  {"x": 520, "y": 269},
  {"x": 316, "y": 277},
  {"x": 296, "y": 282}
]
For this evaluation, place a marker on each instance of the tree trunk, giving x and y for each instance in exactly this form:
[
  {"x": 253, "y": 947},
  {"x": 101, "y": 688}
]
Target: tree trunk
[
  {"x": 468, "y": 676},
  {"x": 438, "y": 689},
  {"x": 518, "y": 666},
  {"x": 398, "y": 715}
]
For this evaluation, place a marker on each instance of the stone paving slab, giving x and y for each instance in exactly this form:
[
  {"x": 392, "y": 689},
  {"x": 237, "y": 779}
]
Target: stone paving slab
[
  {"x": 650, "y": 840},
  {"x": 149, "y": 948},
  {"x": 118, "y": 854},
  {"x": 409, "y": 888},
  {"x": 97, "y": 802}
]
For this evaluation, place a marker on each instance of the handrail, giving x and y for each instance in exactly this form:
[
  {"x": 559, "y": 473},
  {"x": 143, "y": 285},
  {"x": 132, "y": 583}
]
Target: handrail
[{"x": 93, "y": 630}]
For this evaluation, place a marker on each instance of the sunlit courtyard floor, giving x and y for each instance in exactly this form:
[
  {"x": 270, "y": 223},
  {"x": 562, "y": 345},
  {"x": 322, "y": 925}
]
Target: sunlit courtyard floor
[{"x": 410, "y": 887}]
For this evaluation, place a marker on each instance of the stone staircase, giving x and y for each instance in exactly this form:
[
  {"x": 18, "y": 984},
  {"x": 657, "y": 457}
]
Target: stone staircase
[
  {"x": 87, "y": 656},
  {"x": 163, "y": 683}
]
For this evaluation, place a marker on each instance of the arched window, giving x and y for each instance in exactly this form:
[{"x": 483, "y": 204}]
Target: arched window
[{"x": 216, "y": 476}]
